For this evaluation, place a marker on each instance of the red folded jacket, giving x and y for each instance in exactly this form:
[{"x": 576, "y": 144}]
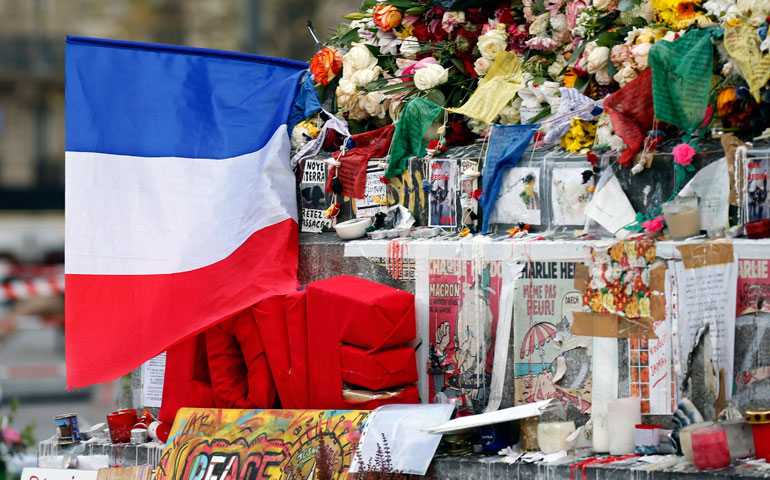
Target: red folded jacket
[
  {"x": 354, "y": 311},
  {"x": 378, "y": 370},
  {"x": 371, "y": 315}
]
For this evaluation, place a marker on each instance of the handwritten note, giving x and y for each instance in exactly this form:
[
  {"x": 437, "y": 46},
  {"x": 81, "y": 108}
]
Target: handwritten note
[
  {"x": 707, "y": 295},
  {"x": 153, "y": 373},
  {"x": 742, "y": 43}
]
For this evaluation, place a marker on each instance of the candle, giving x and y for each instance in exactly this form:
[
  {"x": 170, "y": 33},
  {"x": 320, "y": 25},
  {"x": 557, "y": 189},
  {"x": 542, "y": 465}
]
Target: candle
[
  {"x": 709, "y": 448},
  {"x": 623, "y": 415}
]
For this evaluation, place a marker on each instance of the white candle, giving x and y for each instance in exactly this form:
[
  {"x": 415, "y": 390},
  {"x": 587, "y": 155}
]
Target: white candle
[
  {"x": 601, "y": 436},
  {"x": 623, "y": 415}
]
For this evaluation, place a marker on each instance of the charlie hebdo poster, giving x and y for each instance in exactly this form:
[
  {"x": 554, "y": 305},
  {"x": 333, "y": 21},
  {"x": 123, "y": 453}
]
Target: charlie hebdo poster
[
  {"x": 463, "y": 314},
  {"x": 543, "y": 302}
]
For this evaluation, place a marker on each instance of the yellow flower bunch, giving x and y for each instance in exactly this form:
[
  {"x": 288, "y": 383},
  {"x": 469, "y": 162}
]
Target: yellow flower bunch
[
  {"x": 678, "y": 14},
  {"x": 581, "y": 135}
]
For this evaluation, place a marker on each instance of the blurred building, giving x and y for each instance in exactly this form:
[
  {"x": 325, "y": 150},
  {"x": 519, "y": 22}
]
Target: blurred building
[{"x": 32, "y": 45}]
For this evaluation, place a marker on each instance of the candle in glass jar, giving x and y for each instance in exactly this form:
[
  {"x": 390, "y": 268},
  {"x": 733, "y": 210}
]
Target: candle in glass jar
[
  {"x": 709, "y": 448},
  {"x": 552, "y": 436}
]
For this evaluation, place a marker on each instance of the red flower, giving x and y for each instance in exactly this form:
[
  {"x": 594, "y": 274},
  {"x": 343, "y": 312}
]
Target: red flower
[
  {"x": 326, "y": 64},
  {"x": 683, "y": 154},
  {"x": 420, "y": 31},
  {"x": 475, "y": 15},
  {"x": 503, "y": 15},
  {"x": 654, "y": 225},
  {"x": 458, "y": 134}
]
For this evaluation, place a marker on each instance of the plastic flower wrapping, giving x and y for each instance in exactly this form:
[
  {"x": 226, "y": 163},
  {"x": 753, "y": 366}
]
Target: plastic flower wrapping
[{"x": 443, "y": 50}]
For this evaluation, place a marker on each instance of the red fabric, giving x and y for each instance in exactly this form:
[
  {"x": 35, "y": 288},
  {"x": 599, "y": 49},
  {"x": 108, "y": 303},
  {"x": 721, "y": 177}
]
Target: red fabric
[
  {"x": 271, "y": 322},
  {"x": 166, "y": 309},
  {"x": 240, "y": 374},
  {"x": 378, "y": 370},
  {"x": 352, "y": 171},
  {"x": 358, "y": 312},
  {"x": 186, "y": 382},
  {"x": 632, "y": 113},
  {"x": 296, "y": 325}
]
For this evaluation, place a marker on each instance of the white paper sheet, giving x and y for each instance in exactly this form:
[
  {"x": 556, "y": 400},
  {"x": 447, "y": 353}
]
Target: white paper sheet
[
  {"x": 712, "y": 185},
  {"x": 153, "y": 372},
  {"x": 404, "y": 428},
  {"x": 569, "y": 196},
  {"x": 517, "y": 202},
  {"x": 707, "y": 294},
  {"x": 611, "y": 209}
]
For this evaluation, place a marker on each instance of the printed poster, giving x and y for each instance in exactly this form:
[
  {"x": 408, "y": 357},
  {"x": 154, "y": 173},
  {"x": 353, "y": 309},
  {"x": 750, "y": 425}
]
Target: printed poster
[
  {"x": 519, "y": 197},
  {"x": 463, "y": 314},
  {"x": 757, "y": 205},
  {"x": 753, "y": 286},
  {"x": 312, "y": 189},
  {"x": 468, "y": 185},
  {"x": 569, "y": 196},
  {"x": 153, "y": 374},
  {"x": 375, "y": 191},
  {"x": 650, "y": 372},
  {"x": 257, "y": 444},
  {"x": 544, "y": 299},
  {"x": 442, "y": 202}
]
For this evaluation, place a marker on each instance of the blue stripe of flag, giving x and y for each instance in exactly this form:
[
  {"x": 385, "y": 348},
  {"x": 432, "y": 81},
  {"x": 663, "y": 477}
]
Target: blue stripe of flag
[{"x": 149, "y": 100}]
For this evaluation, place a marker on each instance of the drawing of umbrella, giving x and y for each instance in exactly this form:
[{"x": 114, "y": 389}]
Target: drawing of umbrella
[{"x": 537, "y": 336}]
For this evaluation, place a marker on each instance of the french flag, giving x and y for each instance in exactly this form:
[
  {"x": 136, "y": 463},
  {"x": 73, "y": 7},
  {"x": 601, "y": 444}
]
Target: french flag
[{"x": 180, "y": 198}]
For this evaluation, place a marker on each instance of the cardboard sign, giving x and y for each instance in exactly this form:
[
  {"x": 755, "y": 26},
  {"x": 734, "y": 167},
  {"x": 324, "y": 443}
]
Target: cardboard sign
[{"x": 208, "y": 443}]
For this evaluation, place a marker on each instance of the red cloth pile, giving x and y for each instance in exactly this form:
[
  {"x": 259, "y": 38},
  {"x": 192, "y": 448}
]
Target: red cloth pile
[{"x": 288, "y": 350}]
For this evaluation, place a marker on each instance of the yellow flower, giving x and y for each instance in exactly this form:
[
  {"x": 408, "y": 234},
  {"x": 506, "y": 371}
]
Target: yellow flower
[
  {"x": 678, "y": 14},
  {"x": 608, "y": 302},
  {"x": 405, "y": 32},
  {"x": 644, "y": 306},
  {"x": 596, "y": 302},
  {"x": 580, "y": 135},
  {"x": 632, "y": 309}
]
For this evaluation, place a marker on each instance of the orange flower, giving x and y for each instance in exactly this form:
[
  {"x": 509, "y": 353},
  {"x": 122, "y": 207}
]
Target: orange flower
[
  {"x": 725, "y": 101},
  {"x": 685, "y": 10},
  {"x": 326, "y": 64},
  {"x": 386, "y": 16}
]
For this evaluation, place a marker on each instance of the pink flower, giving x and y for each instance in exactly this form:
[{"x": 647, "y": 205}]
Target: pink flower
[
  {"x": 545, "y": 44},
  {"x": 573, "y": 11},
  {"x": 408, "y": 67},
  {"x": 654, "y": 225},
  {"x": 11, "y": 436},
  {"x": 683, "y": 154},
  {"x": 408, "y": 20},
  {"x": 619, "y": 55}
]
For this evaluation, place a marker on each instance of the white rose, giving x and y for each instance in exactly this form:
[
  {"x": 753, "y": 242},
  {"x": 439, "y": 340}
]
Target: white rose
[
  {"x": 602, "y": 4},
  {"x": 510, "y": 114},
  {"x": 481, "y": 66},
  {"x": 346, "y": 86},
  {"x": 363, "y": 77},
  {"x": 625, "y": 75},
  {"x": 557, "y": 66},
  {"x": 358, "y": 58},
  {"x": 597, "y": 60},
  {"x": 670, "y": 36},
  {"x": 539, "y": 25},
  {"x": 375, "y": 103},
  {"x": 603, "y": 77},
  {"x": 559, "y": 22},
  {"x": 430, "y": 76},
  {"x": 640, "y": 53},
  {"x": 492, "y": 43},
  {"x": 410, "y": 47}
]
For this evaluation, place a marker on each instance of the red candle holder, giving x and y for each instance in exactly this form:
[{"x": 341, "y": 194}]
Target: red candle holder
[{"x": 709, "y": 448}]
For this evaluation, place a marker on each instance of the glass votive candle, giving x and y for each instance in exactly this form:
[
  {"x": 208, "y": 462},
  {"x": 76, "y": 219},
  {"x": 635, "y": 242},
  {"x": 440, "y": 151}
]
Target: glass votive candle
[{"x": 709, "y": 448}]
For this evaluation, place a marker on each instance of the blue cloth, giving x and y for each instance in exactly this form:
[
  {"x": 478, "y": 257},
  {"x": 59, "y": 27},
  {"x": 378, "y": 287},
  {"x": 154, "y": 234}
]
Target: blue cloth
[
  {"x": 506, "y": 145},
  {"x": 306, "y": 103},
  {"x": 148, "y": 100}
]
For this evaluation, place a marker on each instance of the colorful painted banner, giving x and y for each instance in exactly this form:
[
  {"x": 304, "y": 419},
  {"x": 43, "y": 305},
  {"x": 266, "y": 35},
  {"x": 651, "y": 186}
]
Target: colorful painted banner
[
  {"x": 209, "y": 443},
  {"x": 544, "y": 299},
  {"x": 464, "y": 306}
]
